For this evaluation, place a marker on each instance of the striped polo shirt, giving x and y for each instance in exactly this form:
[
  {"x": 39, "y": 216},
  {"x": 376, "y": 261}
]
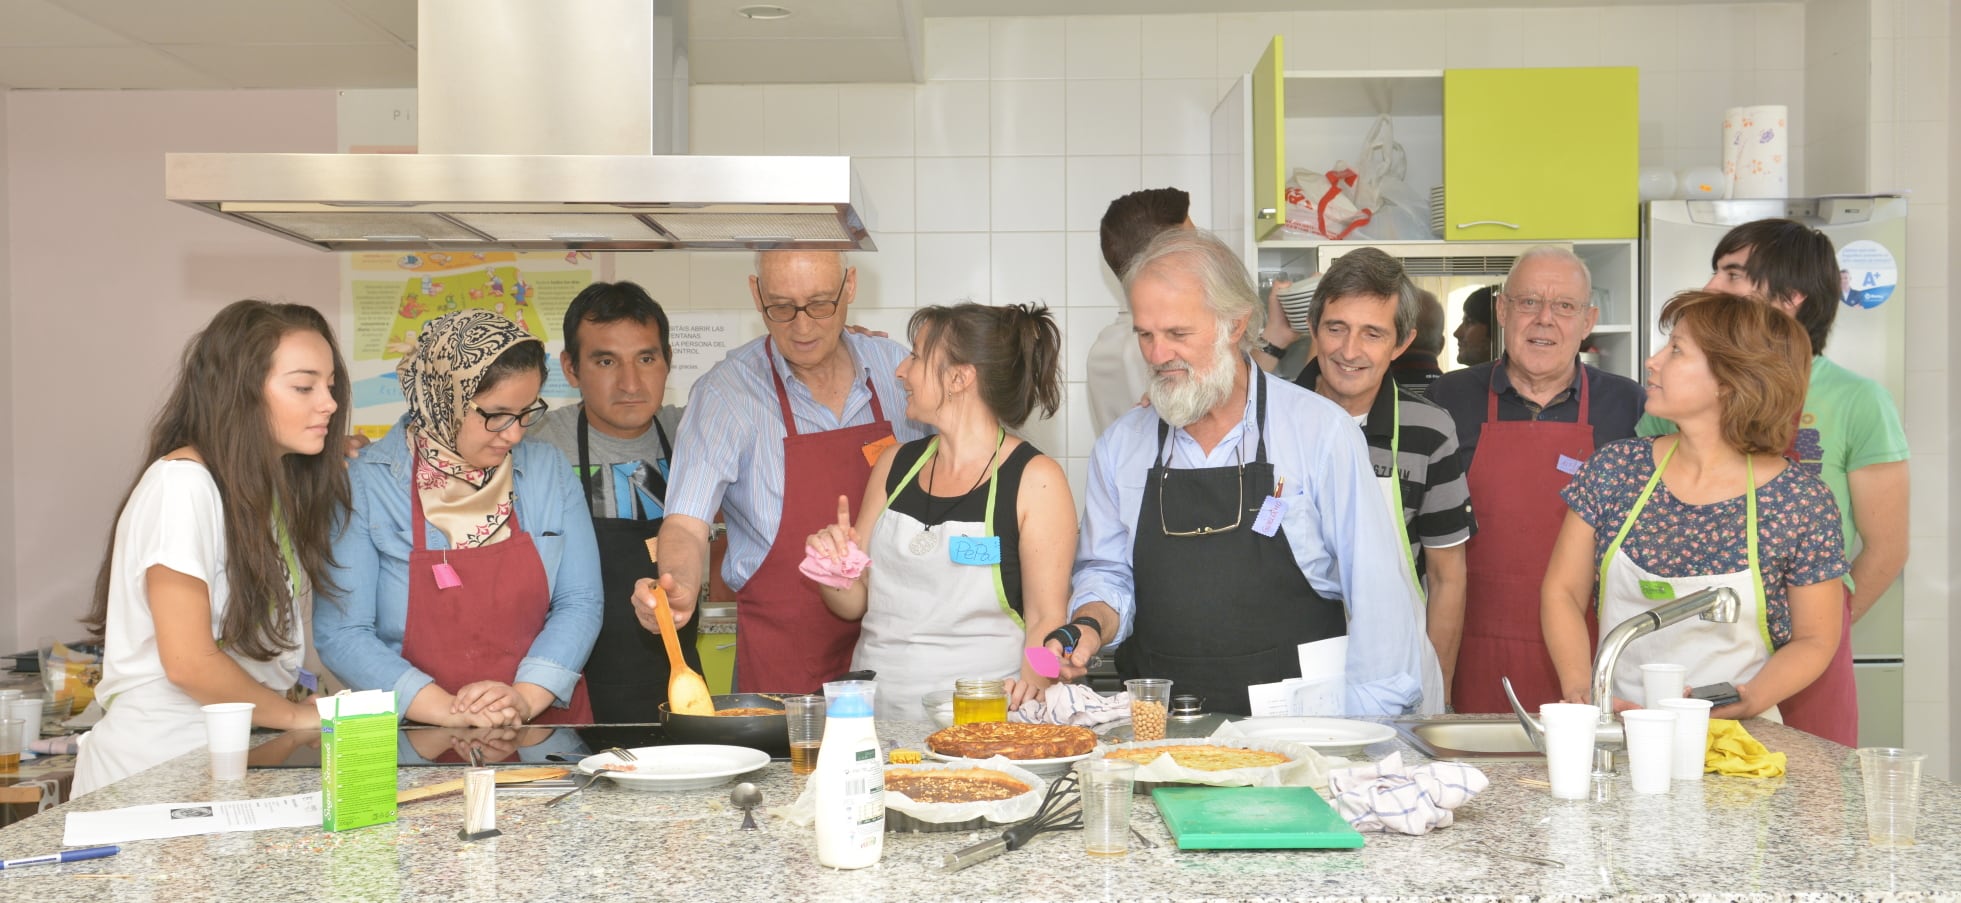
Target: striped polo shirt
[{"x": 1436, "y": 498}]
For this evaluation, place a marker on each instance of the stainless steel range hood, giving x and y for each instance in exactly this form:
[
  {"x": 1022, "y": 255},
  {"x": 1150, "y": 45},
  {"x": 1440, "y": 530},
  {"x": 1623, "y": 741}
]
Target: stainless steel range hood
[{"x": 537, "y": 123}]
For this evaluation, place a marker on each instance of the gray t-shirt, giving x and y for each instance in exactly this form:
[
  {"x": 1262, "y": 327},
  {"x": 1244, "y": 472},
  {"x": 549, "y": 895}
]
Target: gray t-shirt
[{"x": 632, "y": 481}]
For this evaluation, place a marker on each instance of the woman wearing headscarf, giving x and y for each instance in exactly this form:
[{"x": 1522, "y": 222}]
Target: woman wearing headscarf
[{"x": 469, "y": 572}]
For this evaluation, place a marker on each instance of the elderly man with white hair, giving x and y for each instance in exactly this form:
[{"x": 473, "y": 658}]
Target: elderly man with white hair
[
  {"x": 773, "y": 435},
  {"x": 1525, "y": 424},
  {"x": 1237, "y": 517}
]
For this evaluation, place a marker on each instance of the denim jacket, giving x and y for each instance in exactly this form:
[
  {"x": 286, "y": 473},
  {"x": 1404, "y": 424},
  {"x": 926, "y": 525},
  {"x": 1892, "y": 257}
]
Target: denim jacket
[{"x": 358, "y": 631}]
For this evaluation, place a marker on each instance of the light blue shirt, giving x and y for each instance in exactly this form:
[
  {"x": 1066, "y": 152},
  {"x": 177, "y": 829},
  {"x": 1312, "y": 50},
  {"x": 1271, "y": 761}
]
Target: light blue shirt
[
  {"x": 359, "y": 632},
  {"x": 1337, "y": 524},
  {"x": 728, "y": 453}
]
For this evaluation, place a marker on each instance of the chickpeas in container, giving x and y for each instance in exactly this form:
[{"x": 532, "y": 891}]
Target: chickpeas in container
[{"x": 1150, "y": 700}]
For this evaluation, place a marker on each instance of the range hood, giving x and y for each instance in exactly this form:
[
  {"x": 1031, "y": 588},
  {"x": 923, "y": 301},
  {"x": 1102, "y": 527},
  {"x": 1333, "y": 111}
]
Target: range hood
[{"x": 537, "y": 126}]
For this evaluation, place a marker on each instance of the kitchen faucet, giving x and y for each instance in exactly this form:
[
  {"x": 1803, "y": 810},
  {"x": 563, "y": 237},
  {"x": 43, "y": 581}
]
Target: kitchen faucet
[{"x": 1717, "y": 603}]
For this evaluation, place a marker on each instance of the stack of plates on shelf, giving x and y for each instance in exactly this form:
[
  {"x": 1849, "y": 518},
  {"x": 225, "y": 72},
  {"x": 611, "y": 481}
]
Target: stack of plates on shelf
[{"x": 1437, "y": 210}]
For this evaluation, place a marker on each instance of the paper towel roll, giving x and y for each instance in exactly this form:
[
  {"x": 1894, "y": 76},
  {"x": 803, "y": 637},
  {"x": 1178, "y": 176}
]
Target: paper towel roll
[{"x": 1756, "y": 152}]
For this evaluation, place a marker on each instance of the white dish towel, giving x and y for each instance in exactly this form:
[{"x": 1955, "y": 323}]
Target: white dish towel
[{"x": 1387, "y": 796}]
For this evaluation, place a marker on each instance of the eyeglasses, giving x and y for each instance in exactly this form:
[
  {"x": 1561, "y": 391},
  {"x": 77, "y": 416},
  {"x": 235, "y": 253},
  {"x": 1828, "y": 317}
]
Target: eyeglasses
[
  {"x": 821, "y": 309},
  {"x": 1562, "y": 308},
  {"x": 503, "y": 420},
  {"x": 1238, "y": 508}
]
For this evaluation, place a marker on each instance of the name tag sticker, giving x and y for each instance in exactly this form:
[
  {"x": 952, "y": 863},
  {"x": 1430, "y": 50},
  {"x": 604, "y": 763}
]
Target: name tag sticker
[
  {"x": 310, "y": 681},
  {"x": 1271, "y": 510},
  {"x": 446, "y": 577},
  {"x": 1569, "y": 465},
  {"x": 653, "y": 549},
  {"x": 873, "y": 449},
  {"x": 974, "y": 550},
  {"x": 1657, "y": 590}
]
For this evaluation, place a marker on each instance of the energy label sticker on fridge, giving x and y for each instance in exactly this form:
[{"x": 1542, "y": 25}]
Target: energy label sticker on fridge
[{"x": 1867, "y": 274}]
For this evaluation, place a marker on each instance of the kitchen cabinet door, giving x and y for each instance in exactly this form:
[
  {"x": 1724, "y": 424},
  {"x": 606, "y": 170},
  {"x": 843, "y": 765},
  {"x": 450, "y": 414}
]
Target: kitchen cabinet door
[
  {"x": 1269, "y": 142},
  {"x": 1541, "y": 154}
]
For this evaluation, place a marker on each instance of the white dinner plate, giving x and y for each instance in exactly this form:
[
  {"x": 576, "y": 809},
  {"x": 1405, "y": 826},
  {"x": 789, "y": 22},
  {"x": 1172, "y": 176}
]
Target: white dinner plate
[
  {"x": 1333, "y": 736},
  {"x": 1047, "y": 768},
  {"x": 682, "y": 767}
]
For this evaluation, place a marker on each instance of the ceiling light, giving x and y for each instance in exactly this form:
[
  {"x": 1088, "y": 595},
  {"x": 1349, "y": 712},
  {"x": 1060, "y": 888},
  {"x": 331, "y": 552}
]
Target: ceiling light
[{"x": 763, "y": 11}]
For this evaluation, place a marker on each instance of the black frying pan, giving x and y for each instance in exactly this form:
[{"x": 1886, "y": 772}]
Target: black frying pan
[{"x": 769, "y": 733}]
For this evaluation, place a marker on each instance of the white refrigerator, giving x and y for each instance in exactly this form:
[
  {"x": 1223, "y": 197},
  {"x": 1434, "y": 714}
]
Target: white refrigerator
[{"x": 1868, "y": 338}]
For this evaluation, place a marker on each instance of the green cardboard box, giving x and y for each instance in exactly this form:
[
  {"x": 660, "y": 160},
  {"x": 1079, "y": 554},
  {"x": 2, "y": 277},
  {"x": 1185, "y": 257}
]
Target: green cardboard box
[{"x": 357, "y": 759}]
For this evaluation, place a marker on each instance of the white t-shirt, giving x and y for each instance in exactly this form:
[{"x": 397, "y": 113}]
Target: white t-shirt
[
  {"x": 174, "y": 518},
  {"x": 1115, "y": 372}
]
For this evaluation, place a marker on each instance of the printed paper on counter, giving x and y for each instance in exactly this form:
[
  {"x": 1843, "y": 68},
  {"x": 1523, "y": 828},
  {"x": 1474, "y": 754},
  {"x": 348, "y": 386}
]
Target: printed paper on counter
[{"x": 301, "y": 810}]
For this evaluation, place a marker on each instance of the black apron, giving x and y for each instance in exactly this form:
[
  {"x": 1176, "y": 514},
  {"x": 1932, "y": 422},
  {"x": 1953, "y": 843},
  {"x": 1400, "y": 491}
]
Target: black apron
[
  {"x": 626, "y": 675},
  {"x": 1223, "y": 607}
]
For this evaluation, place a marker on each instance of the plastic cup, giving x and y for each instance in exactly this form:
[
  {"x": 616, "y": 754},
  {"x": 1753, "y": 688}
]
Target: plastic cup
[
  {"x": 1691, "y": 737},
  {"x": 228, "y": 734},
  {"x": 1661, "y": 681},
  {"x": 1106, "y": 789},
  {"x": 805, "y": 715},
  {"x": 1892, "y": 779},
  {"x": 29, "y": 712},
  {"x": 1650, "y": 746},
  {"x": 10, "y": 732},
  {"x": 1570, "y": 729},
  {"x": 1150, "y": 703}
]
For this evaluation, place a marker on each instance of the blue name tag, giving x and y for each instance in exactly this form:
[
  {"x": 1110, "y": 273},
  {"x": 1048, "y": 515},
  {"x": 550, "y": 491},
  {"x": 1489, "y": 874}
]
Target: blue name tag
[
  {"x": 976, "y": 550},
  {"x": 309, "y": 681}
]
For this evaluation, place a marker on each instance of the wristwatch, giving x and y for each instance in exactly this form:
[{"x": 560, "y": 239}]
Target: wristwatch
[{"x": 1275, "y": 351}]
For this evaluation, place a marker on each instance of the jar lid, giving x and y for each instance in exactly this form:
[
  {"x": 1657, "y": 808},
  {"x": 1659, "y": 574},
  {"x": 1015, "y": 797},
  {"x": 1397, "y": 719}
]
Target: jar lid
[{"x": 1187, "y": 706}]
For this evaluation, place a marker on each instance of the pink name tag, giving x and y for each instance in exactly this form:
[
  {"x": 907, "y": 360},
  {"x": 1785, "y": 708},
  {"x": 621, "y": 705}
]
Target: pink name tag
[
  {"x": 446, "y": 576},
  {"x": 1268, "y": 520}
]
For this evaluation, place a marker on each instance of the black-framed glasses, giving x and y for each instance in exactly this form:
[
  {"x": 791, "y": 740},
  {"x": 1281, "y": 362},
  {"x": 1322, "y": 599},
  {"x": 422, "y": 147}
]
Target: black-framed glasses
[
  {"x": 821, "y": 309},
  {"x": 503, "y": 420},
  {"x": 1238, "y": 510}
]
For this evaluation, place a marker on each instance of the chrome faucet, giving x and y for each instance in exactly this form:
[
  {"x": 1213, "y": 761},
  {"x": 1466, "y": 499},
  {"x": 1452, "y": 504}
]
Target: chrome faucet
[{"x": 1717, "y": 603}]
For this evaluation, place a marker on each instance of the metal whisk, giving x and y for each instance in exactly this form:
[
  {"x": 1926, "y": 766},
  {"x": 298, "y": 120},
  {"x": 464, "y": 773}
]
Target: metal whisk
[{"x": 1061, "y": 810}]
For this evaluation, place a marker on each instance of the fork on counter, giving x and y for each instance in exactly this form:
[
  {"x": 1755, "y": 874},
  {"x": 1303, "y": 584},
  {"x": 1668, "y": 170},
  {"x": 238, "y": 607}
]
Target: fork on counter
[{"x": 597, "y": 772}]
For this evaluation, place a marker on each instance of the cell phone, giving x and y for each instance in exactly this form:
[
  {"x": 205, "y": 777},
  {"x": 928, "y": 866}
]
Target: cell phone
[{"x": 1718, "y": 694}]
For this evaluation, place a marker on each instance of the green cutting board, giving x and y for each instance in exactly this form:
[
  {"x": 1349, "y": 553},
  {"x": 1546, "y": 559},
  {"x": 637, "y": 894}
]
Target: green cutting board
[{"x": 1253, "y": 818}]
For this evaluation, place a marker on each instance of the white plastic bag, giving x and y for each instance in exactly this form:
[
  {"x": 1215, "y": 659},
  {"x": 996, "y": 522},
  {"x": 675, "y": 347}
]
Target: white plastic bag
[
  {"x": 1319, "y": 204},
  {"x": 1401, "y": 212}
]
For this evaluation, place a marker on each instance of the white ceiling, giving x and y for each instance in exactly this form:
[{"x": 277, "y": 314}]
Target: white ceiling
[{"x": 191, "y": 44}]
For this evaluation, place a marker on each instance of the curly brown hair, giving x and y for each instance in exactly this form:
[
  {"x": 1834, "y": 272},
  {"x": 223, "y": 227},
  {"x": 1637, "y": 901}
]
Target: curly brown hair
[{"x": 1760, "y": 357}]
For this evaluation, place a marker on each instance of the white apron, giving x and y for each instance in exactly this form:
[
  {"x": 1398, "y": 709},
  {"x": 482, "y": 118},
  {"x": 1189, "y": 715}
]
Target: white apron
[
  {"x": 929, "y": 621},
  {"x": 1712, "y": 652},
  {"x": 1392, "y": 489}
]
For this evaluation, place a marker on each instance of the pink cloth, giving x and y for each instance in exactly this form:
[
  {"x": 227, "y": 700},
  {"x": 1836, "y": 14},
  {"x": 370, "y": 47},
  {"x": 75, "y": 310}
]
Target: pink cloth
[{"x": 834, "y": 574}]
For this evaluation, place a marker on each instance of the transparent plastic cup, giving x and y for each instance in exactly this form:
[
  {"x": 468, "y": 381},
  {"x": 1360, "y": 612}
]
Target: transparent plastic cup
[
  {"x": 1650, "y": 747},
  {"x": 1150, "y": 704},
  {"x": 10, "y": 733},
  {"x": 805, "y": 715},
  {"x": 1691, "y": 737},
  {"x": 29, "y": 712},
  {"x": 1570, "y": 729},
  {"x": 1106, "y": 788},
  {"x": 1892, "y": 781}
]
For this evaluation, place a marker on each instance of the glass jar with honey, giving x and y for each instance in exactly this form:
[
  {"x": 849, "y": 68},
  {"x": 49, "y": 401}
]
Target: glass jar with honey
[{"x": 979, "y": 699}]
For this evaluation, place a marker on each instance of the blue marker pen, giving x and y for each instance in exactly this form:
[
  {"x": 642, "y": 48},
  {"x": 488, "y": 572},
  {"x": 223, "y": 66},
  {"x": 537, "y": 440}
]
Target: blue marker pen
[{"x": 63, "y": 856}]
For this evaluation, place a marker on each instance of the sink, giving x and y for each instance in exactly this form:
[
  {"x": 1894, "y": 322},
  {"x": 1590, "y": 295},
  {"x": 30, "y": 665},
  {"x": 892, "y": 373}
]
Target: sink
[{"x": 1499, "y": 738}]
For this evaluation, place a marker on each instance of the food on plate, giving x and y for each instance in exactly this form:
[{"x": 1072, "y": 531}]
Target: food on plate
[
  {"x": 724, "y": 713},
  {"x": 1203, "y": 758},
  {"x": 619, "y": 766},
  {"x": 904, "y": 757},
  {"x": 980, "y": 740},
  {"x": 953, "y": 785}
]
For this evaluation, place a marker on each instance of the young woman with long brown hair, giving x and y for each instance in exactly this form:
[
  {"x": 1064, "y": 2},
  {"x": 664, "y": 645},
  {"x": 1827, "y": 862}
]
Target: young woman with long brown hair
[{"x": 197, "y": 601}]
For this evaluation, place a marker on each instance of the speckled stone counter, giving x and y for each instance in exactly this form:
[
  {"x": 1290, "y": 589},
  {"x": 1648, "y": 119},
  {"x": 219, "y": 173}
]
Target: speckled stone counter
[{"x": 1801, "y": 837}]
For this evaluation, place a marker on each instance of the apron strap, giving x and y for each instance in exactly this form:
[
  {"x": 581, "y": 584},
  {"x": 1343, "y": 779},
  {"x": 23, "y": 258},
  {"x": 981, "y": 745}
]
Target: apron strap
[
  {"x": 783, "y": 396},
  {"x": 1491, "y": 393},
  {"x": 590, "y": 480},
  {"x": 1396, "y": 492}
]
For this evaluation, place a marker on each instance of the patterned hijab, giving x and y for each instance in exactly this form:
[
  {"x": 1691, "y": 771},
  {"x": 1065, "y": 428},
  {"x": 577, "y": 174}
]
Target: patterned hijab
[{"x": 472, "y": 506}]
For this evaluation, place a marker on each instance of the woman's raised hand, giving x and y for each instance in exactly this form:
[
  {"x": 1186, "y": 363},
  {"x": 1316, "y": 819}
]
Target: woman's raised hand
[{"x": 832, "y": 541}]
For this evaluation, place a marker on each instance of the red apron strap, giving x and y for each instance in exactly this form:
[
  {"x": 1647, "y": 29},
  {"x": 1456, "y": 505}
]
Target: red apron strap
[
  {"x": 782, "y": 396},
  {"x": 1491, "y": 394},
  {"x": 1583, "y": 392}
]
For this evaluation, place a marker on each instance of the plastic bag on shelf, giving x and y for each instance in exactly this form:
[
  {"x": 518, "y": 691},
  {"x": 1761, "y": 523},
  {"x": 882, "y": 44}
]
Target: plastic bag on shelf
[
  {"x": 1319, "y": 205},
  {"x": 1401, "y": 212}
]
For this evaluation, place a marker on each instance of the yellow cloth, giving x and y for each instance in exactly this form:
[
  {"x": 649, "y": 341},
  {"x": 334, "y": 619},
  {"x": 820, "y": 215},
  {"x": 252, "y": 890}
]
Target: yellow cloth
[{"x": 1732, "y": 751}]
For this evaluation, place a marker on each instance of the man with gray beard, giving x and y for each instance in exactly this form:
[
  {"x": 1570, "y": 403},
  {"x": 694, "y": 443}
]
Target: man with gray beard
[{"x": 1236, "y": 518}]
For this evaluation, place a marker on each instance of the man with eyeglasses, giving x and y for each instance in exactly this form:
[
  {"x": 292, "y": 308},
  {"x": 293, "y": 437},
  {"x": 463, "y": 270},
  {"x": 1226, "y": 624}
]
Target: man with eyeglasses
[
  {"x": 773, "y": 435},
  {"x": 1525, "y": 424},
  {"x": 1236, "y": 518}
]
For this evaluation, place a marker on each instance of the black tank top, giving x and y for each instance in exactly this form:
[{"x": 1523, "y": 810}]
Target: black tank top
[{"x": 931, "y": 510}]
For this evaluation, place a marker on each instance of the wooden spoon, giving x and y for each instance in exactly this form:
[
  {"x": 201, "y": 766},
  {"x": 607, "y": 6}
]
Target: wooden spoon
[
  {"x": 687, "y": 693},
  {"x": 504, "y": 776}
]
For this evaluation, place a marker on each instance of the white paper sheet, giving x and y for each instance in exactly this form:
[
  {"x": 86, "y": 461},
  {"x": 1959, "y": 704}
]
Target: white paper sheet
[
  {"x": 1320, "y": 690},
  {"x": 301, "y": 810}
]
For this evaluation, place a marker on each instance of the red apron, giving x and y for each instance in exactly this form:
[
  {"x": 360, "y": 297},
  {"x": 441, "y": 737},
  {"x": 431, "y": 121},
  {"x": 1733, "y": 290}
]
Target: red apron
[
  {"x": 481, "y": 629},
  {"x": 787, "y": 640},
  {"x": 1515, "y": 479},
  {"x": 1829, "y": 707}
]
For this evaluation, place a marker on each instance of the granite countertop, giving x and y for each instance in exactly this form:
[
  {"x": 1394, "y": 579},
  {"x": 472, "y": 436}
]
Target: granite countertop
[{"x": 1801, "y": 837}]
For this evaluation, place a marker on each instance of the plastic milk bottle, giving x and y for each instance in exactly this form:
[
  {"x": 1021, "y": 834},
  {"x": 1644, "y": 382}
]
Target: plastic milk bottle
[{"x": 850, "y": 780}]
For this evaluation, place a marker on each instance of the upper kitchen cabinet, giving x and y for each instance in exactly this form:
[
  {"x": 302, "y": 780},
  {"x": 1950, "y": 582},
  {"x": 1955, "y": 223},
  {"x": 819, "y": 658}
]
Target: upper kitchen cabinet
[{"x": 1541, "y": 154}]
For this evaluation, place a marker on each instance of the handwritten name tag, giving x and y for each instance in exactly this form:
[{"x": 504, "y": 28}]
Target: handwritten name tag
[
  {"x": 1271, "y": 510},
  {"x": 1569, "y": 465},
  {"x": 974, "y": 550}
]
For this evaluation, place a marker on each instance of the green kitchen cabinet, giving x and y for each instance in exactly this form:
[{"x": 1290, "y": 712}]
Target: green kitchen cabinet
[
  {"x": 717, "y": 660},
  {"x": 1268, "y": 88},
  {"x": 1533, "y": 154}
]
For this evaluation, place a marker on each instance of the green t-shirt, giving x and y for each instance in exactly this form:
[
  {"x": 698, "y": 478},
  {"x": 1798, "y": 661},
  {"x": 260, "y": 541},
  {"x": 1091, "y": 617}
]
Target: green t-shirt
[{"x": 1849, "y": 422}]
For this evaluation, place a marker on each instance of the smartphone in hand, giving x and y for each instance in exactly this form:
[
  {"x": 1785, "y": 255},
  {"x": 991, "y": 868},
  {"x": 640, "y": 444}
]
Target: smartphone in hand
[{"x": 1718, "y": 694}]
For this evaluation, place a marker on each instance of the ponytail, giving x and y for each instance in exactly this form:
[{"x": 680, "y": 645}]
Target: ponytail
[{"x": 1015, "y": 350}]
